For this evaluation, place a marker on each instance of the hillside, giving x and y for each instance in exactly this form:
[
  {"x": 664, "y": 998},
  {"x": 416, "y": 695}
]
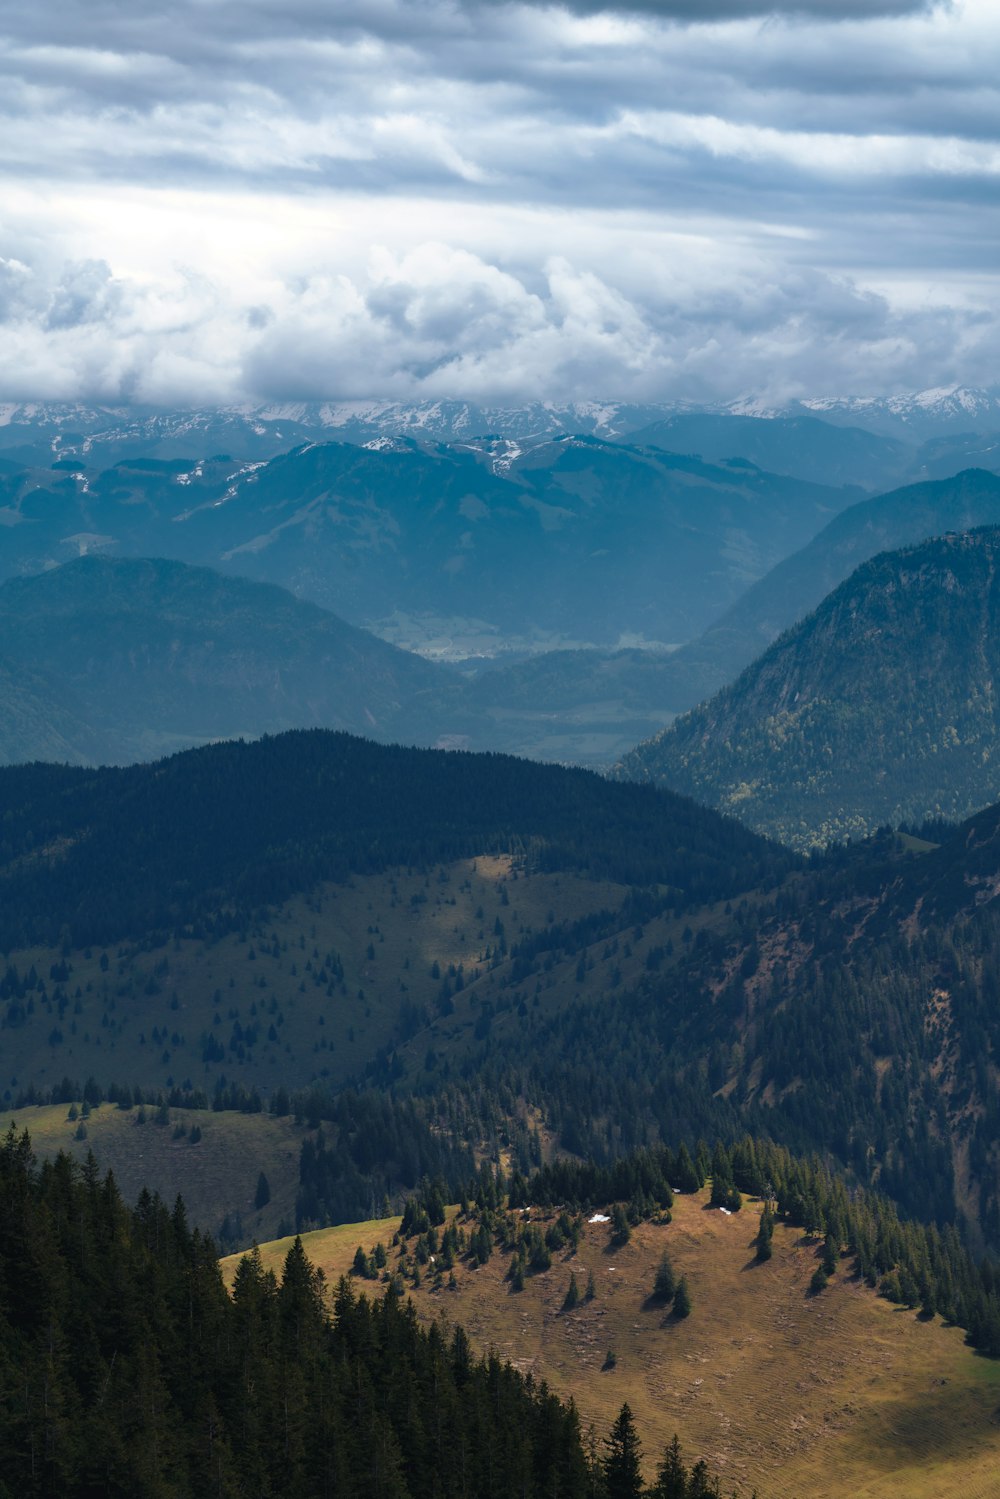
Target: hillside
[
  {"x": 211, "y": 1158},
  {"x": 138, "y": 658},
  {"x": 306, "y": 919},
  {"x": 37, "y": 720},
  {"x": 877, "y": 708},
  {"x": 803, "y": 446},
  {"x": 495, "y": 954},
  {"x": 802, "y": 580},
  {"x": 438, "y": 953},
  {"x": 789, "y": 1393},
  {"x": 111, "y": 660},
  {"x": 129, "y": 1370},
  {"x": 244, "y": 826}
]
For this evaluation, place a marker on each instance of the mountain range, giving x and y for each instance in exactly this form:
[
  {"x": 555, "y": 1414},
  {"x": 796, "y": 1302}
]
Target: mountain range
[
  {"x": 38, "y": 432},
  {"x": 467, "y": 549},
  {"x": 112, "y": 659}
]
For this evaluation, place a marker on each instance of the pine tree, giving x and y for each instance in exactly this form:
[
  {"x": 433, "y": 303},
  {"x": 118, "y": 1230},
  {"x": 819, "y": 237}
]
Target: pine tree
[
  {"x": 682, "y": 1299},
  {"x": 700, "y": 1486},
  {"x": 672, "y": 1476},
  {"x": 572, "y": 1295},
  {"x": 765, "y": 1233},
  {"x": 831, "y": 1254},
  {"x": 689, "y": 1179},
  {"x": 819, "y": 1281},
  {"x": 622, "y": 1465},
  {"x": 263, "y": 1194},
  {"x": 665, "y": 1283},
  {"x": 620, "y": 1230}
]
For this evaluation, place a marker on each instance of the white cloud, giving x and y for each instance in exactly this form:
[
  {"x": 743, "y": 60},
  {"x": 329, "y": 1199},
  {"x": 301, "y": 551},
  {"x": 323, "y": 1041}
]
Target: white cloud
[{"x": 493, "y": 199}]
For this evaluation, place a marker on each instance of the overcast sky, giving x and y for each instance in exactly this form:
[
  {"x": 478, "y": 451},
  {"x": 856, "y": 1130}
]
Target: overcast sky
[{"x": 226, "y": 199}]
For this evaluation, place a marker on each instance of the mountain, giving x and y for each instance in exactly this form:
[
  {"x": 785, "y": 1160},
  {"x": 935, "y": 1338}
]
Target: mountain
[
  {"x": 35, "y": 434},
  {"x": 116, "y": 660},
  {"x": 915, "y": 415},
  {"x": 459, "y": 550},
  {"x": 326, "y": 805},
  {"x": 797, "y": 584},
  {"x": 882, "y": 1448},
  {"x": 110, "y": 660},
  {"x": 802, "y": 445},
  {"x": 879, "y": 707}
]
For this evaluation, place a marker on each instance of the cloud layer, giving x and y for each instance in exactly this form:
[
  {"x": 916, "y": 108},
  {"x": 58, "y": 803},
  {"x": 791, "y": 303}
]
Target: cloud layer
[{"x": 435, "y": 198}]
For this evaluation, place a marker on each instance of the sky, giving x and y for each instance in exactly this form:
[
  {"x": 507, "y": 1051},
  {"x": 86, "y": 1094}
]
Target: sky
[{"x": 706, "y": 200}]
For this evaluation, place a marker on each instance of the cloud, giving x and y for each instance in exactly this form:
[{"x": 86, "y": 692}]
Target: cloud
[
  {"x": 458, "y": 196},
  {"x": 640, "y": 315},
  {"x": 700, "y": 11}
]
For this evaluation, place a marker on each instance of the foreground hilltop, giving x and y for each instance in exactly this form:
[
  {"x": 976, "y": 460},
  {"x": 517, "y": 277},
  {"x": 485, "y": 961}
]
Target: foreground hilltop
[{"x": 796, "y": 1395}]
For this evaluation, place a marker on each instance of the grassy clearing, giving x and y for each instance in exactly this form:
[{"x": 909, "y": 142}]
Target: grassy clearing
[
  {"x": 801, "y": 1397},
  {"x": 216, "y": 1177}
]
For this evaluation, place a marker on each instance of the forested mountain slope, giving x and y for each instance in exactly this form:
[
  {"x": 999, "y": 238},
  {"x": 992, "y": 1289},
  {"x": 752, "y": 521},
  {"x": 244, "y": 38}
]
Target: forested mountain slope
[
  {"x": 877, "y": 708},
  {"x": 115, "y": 853},
  {"x": 802, "y": 580},
  {"x": 126, "y": 1369},
  {"x": 511, "y": 947}
]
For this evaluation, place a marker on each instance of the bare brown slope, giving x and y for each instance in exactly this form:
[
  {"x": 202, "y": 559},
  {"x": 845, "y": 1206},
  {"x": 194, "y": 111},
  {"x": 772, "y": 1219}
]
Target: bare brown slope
[{"x": 801, "y": 1397}]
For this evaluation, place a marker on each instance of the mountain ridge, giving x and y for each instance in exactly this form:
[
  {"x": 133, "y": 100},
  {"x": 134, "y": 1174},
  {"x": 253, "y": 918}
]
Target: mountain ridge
[
  {"x": 798, "y": 584},
  {"x": 875, "y": 708},
  {"x": 134, "y": 657}
]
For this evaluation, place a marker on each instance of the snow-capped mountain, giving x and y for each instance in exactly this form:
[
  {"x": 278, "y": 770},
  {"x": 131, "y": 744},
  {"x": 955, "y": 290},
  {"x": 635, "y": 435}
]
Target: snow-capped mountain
[
  {"x": 918, "y": 415},
  {"x": 101, "y": 435},
  {"x": 40, "y": 434}
]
